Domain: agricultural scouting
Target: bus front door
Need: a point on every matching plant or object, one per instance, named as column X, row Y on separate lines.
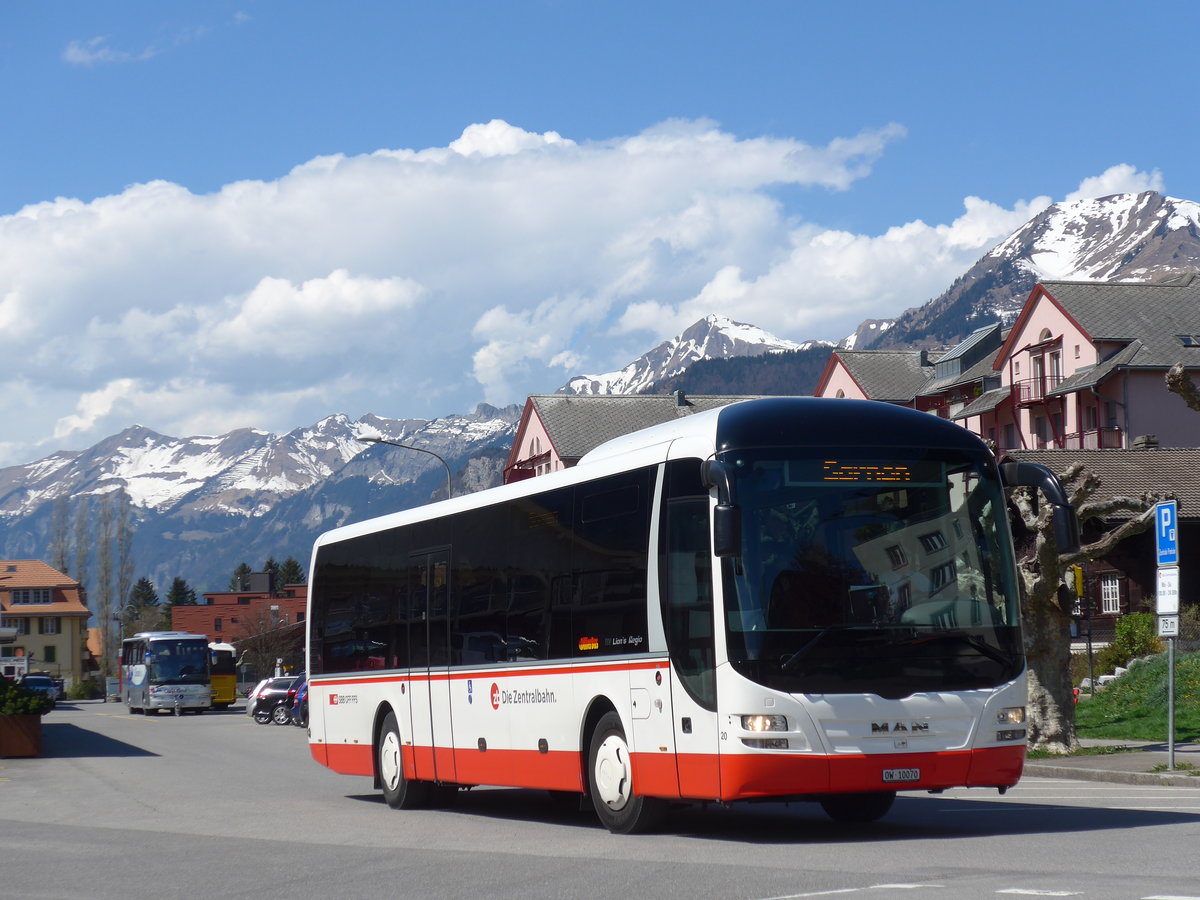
column 429, row 678
column 688, row 610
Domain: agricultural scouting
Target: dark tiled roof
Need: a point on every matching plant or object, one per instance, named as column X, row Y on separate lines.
column 985, row 368
column 1093, row 375
column 986, row 402
column 579, row 423
column 972, row 340
column 1132, row 472
column 1156, row 314
column 895, row 376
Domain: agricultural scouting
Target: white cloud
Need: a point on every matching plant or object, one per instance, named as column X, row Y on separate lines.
column 96, row 51
column 95, row 405
column 1121, row 179
column 416, row 282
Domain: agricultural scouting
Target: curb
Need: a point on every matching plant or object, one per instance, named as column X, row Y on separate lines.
column 1171, row 779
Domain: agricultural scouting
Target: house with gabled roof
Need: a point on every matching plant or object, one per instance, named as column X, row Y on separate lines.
column 1083, row 367
column 556, row 430
column 892, row 376
column 47, row 616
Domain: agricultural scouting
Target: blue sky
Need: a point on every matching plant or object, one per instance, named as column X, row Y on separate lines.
column 431, row 205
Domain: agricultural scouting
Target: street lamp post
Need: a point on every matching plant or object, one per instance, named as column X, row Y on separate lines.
column 445, row 465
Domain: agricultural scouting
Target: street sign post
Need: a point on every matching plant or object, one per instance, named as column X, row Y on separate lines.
column 1166, row 546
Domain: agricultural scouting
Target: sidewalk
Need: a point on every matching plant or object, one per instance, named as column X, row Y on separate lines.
column 1142, row 763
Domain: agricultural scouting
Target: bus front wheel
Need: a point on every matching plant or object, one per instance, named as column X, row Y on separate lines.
column 398, row 791
column 858, row 808
column 610, row 782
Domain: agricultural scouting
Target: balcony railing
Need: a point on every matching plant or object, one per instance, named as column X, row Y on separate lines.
column 1034, row 390
column 1110, row 438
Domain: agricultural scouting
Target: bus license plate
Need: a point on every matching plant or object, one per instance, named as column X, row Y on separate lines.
column 893, row 775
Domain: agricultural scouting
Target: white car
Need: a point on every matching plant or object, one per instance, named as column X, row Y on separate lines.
column 254, row 693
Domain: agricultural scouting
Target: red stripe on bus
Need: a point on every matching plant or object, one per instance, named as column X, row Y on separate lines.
column 745, row 776
column 741, row 776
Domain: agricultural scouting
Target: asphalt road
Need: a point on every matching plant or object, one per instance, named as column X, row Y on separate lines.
column 123, row 806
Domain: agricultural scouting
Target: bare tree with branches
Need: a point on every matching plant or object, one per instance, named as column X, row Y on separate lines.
column 1179, row 382
column 1047, row 606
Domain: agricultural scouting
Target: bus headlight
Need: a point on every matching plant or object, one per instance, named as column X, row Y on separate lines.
column 1011, row 715
column 764, row 723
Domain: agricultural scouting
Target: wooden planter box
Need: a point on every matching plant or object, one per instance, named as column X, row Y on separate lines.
column 20, row 736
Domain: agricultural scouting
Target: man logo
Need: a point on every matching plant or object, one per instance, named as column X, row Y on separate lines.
column 899, row 728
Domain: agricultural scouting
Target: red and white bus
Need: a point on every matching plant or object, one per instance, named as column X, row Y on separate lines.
column 783, row 598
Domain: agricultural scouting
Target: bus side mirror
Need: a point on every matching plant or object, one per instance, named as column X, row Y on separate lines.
column 727, row 531
column 727, row 518
column 1035, row 475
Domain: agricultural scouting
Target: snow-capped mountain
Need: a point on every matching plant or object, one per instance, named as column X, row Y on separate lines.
column 242, row 473
column 713, row 337
column 1130, row 237
column 198, row 502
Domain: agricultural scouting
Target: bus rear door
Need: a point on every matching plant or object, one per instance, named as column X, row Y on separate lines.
column 429, row 679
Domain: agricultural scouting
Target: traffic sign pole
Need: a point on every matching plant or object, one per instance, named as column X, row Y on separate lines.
column 1166, row 540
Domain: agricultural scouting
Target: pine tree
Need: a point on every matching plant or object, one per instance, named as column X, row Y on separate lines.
column 241, row 578
column 181, row 594
column 290, row 572
column 272, row 568
column 142, row 610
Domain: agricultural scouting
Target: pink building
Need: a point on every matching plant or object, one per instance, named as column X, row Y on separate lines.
column 1083, row 368
column 556, row 430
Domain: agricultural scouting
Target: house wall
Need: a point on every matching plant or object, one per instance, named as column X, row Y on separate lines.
column 1059, row 416
column 840, row 380
column 66, row 646
column 233, row 616
column 535, row 442
column 1152, row 409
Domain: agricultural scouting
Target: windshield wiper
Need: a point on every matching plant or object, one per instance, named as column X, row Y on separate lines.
column 971, row 640
column 789, row 662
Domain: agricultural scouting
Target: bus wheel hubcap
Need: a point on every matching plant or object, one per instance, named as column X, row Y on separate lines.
column 389, row 760
column 612, row 772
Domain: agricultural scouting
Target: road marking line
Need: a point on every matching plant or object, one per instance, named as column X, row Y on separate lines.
column 872, row 887
column 1034, row 892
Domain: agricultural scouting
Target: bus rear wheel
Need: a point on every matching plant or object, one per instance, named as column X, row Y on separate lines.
column 610, row 782
column 398, row 791
column 857, row 809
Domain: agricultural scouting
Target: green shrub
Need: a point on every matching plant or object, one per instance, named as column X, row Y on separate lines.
column 1136, row 636
column 19, row 701
column 83, row 690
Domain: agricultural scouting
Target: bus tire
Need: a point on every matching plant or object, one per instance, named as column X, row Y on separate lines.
column 610, row 782
column 398, row 791
column 857, row 809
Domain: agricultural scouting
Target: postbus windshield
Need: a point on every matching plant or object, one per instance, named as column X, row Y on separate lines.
column 868, row 573
column 177, row 661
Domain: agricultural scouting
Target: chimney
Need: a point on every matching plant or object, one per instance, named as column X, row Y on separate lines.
column 1145, row 442
column 681, row 400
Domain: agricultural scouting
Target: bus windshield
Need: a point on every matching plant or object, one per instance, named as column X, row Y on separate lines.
column 173, row 661
column 862, row 573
